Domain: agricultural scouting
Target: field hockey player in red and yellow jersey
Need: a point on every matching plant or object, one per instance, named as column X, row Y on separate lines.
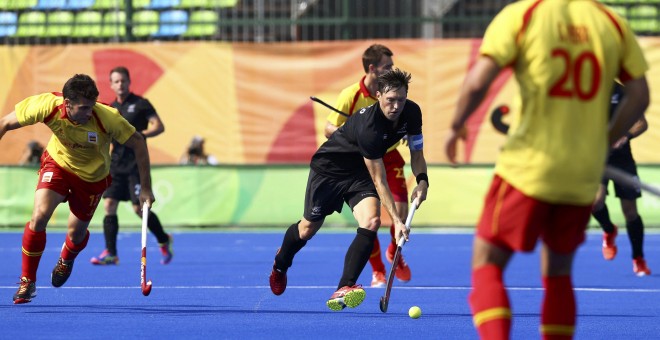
column 565, row 55
column 74, row 167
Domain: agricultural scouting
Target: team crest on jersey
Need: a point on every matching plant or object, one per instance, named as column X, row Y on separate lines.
column 364, row 109
column 92, row 137
column 47, row 177
column 131, row 108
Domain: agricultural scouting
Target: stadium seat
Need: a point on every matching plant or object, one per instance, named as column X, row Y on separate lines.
column 222, row 3
column 172, row 23
column 202, row 23
column 621, row 10
column 644, row 18
column 87, row 24
column 145, row 23
column 164, row 4
column 76, row 5
column 31, row 24
column 50, row 4
column 60, row 24
column 108, row 4
column 139, row 4
column 17, row 4
column 114, row 24
column 8, row 21
column 193, row 4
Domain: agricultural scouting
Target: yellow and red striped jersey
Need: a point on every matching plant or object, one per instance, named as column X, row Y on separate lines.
column 83, row 150
column 565, row 55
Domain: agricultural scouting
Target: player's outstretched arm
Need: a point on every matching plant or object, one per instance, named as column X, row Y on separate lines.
column 8, row 123
column 474, row 90
column 376, row 169
column 418, row 166
column 136, row 142
column 631, row 108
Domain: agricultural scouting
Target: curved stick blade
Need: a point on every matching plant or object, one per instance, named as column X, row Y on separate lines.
column 383, row 304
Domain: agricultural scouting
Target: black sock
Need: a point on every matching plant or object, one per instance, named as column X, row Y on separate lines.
column 636, row 235
column 291, row 245
column 602, row 215
column 153, row 223
column 110, row 230
column 357, row 256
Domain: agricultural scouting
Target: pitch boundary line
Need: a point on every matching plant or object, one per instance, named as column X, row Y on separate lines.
column 579, row 289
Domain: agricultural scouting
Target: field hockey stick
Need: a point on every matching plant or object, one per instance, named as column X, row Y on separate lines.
column 328, row 106
column 146, row 285
column 385, row 299
column 628, row 180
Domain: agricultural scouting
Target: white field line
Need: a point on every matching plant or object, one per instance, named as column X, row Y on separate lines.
column 579, row 289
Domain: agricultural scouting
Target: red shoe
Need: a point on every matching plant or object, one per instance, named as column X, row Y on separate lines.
column 609, row 247
column 378, row 280
column 346, row 297
column 402, row 271
column 277, row 281
column 640, row 268
column 166, row 250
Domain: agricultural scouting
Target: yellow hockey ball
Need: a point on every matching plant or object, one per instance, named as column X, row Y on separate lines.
column 415, row 312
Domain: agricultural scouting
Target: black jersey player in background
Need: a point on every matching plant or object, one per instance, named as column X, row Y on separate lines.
column 348, row 168
column 125, row 179
column 621, row 157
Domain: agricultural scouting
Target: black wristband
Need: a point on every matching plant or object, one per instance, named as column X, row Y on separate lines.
column 422, row 177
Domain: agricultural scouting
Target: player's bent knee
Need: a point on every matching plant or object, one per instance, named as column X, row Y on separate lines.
column 374, row 224
column 308, row 230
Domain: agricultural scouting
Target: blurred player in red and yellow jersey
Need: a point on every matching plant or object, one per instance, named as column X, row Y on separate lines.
column 376, row 60
column 75, row 167
column 566, row 55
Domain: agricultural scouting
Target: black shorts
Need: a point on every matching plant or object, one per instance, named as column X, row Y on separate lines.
column 124, row 187
column 621, row 191
column 325, row 195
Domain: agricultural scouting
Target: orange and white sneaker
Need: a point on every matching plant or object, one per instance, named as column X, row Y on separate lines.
column 346, row 297
column 378, row 280
column 402, row 271
column 609, row 246
column 640, row 268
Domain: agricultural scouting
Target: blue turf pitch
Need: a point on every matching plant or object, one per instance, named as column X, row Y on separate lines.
column 217, row 287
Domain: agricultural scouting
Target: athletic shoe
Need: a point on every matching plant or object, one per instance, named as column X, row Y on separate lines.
column 609, row 247
column 640, row 268
column 277, row 281
column 105, row 259
column 402, row 271
column 166, row 250
column 346, row 297
column 26, row 291
column 378, row 280
column 61, row 273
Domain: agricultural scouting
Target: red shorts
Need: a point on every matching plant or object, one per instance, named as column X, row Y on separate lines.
column 83, row 196
column 514, row 221
column 396, row 180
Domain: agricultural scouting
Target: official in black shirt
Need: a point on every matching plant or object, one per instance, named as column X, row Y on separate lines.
column 348, row 168
column 123, row 169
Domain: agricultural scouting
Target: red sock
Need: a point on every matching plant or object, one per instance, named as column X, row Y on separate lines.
column 375, row 259
column 70, row 250
column 489, row 302
column 391, row 248
column 34, row 244
column 558, row 311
